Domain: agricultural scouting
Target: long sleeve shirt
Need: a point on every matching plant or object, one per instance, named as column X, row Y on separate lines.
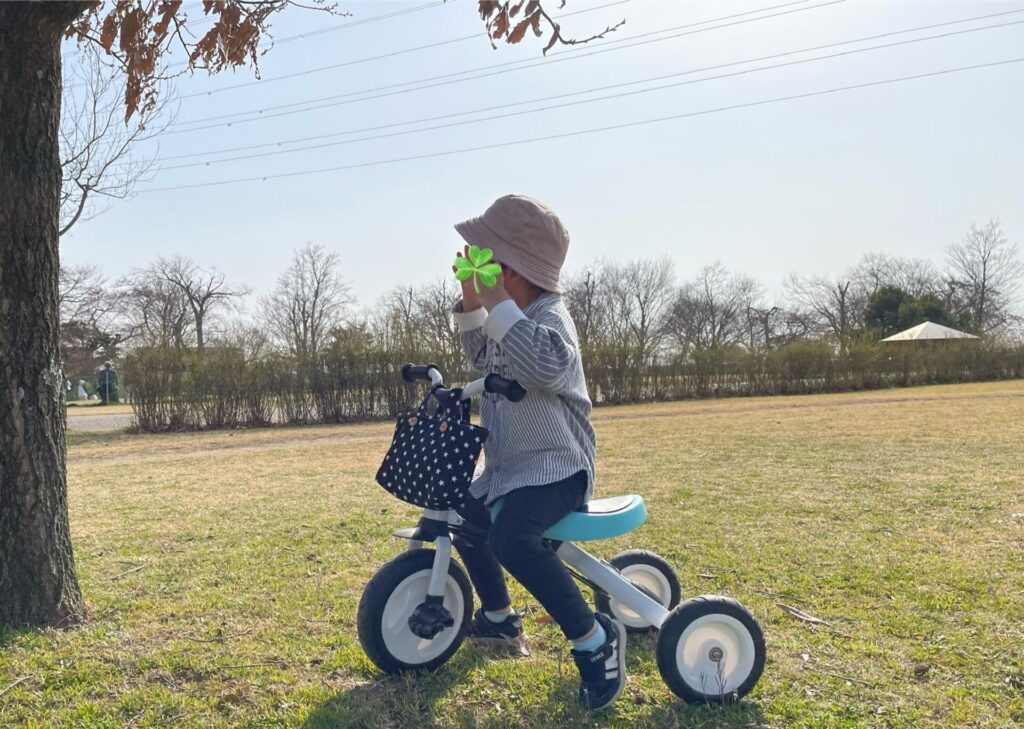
column 547, row 436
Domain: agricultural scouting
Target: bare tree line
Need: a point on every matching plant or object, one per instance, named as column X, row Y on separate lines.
column 632, row 317
column 629, row 315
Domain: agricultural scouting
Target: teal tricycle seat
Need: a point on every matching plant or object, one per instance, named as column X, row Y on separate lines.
column 599, row 519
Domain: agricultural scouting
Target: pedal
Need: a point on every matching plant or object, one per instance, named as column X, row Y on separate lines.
column 429, row 619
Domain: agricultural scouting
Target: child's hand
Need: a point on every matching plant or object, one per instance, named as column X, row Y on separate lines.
column 470, row 300
column 491, row 296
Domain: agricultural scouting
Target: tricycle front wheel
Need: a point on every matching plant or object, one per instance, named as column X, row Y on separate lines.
column 391, row 597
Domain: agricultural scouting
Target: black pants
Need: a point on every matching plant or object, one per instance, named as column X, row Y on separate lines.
column 514, row 541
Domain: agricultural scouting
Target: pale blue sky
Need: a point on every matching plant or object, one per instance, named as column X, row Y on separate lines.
column 806, row 185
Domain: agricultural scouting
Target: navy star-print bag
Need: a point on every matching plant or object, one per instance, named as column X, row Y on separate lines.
column 432, row 457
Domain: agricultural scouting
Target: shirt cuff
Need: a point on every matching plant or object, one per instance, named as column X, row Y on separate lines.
column 467, row 321
column 502, row 318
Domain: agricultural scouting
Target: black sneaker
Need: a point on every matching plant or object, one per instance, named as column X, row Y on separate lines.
column 508, row 632
column 603, row 672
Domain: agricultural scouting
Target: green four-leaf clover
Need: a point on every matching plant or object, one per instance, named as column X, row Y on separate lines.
column 477, row 266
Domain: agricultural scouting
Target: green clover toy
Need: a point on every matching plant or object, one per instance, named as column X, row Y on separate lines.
column 478, row 267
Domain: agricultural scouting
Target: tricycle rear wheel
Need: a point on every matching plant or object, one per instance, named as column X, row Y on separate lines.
column 649, row 573
column 710, row 650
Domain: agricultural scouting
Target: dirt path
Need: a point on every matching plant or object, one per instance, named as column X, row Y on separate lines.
column 114, row 421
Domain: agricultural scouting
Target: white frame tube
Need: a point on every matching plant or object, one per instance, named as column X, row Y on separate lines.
column 618, row 587
column 439, row 571
column 474, row 388
column 435, row 377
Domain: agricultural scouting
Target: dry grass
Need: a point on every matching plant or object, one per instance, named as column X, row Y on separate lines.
column 223, row 571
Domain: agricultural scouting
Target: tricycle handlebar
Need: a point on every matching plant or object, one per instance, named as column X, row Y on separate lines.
column 491, row 383
column 411, row 372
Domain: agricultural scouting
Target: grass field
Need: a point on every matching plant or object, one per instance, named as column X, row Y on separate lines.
column 223, row 571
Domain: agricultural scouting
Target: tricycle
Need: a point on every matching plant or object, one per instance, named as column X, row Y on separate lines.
column 415, row 612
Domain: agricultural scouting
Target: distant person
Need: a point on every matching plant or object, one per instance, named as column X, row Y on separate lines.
column 106, row 383
column 82, row 394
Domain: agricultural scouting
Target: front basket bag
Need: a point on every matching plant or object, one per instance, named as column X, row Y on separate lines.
column 432, row 457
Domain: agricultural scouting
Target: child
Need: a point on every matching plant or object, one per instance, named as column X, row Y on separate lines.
column 539, row 457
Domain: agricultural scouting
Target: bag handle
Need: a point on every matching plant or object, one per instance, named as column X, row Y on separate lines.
column 455, row 412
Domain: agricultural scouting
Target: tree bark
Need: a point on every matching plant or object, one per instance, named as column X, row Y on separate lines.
column 38, row 585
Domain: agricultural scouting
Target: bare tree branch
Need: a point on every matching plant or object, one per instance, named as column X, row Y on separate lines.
column 833, row 303
column 713, row 309
column 205, row 291
column 985, row 277
column 500, row 18
column 102, row 157
column 308, row 303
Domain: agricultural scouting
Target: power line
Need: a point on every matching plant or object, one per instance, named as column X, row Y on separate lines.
column 550, row 60
column 603, row 88
column 594, row 130
column 619, row 95
column 353, row 23
column 391, row 54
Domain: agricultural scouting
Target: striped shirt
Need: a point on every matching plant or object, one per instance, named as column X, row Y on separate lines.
column 547, row 436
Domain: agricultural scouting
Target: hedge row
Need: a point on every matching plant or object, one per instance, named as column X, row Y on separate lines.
column 173, row 389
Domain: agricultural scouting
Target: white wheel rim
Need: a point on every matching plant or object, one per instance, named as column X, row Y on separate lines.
column 710, row 637
column 401, row 642
column 652, row 580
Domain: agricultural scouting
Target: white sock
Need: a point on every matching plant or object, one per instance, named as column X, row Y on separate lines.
column 496, row 617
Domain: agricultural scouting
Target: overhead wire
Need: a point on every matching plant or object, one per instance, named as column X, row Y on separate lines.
column 593, row 130
column 618, row 95
column 596, row 89
column 391, row 54
column 259, row 113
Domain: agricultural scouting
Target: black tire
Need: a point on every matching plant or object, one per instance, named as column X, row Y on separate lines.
column 672, row 631
column 630, row 558
column 369, row 619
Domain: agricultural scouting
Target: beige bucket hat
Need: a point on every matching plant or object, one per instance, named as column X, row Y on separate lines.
column 525, row 234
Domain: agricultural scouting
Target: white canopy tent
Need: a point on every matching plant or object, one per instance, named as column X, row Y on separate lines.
column 928, row 332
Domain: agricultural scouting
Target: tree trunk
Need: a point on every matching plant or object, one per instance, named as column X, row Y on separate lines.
column 200, row 343
column 38, row 585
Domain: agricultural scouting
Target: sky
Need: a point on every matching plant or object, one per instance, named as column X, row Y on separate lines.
column 807, row 184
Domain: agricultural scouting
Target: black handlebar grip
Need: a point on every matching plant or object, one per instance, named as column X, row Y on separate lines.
column 503, row 386
column 411, row 372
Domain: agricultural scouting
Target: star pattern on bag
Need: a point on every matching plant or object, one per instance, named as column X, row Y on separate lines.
column 430, row 467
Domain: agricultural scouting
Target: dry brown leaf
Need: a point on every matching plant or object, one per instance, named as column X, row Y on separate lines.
column 487, row 8
column 519, row 31
column 535, row 21
column 130, row 26
column 500, row 24
column 109, row 32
